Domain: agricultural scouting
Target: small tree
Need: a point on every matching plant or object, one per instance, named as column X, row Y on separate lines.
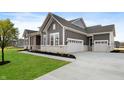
column 7, row 33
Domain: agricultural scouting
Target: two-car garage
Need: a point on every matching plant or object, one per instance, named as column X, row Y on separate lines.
column 98, row 43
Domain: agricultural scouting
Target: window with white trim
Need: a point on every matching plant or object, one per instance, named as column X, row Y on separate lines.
column 44, row 39
column 54, row 39
column 51, row 40
column 54, row 26
column 57, row 39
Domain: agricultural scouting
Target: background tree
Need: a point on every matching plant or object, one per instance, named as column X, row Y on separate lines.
column 7, row 33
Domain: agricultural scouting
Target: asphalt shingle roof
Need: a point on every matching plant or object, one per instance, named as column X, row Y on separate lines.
column 64, row 22
column 99, row 28
column 67, row 23
column 30, row 31
column 92, row 29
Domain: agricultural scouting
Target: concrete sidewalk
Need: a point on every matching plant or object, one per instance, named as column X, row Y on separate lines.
column 50, row 56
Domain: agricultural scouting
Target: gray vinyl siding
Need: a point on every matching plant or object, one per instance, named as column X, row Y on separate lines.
column 79, row 23
column 33, row 40
column 57, row 29
column 101, row 37
column 70, row 34
column 50, row 30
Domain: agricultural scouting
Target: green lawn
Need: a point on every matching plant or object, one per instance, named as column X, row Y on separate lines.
column 25, row 66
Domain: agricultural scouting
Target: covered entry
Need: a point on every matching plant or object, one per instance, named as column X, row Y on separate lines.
column 101, row 45
column 74, row 45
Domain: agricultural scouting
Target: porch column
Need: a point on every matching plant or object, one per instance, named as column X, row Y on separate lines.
column 47, row 38
column 63, row 36
column 29, row 43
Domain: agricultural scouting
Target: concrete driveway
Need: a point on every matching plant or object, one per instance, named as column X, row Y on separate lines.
column 92, row 66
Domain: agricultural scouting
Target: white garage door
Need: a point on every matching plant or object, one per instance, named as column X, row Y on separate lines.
column 101, row 45
column 74, row 45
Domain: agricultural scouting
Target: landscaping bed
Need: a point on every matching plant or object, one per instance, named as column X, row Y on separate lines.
column 118, row 50
column 56, row 54
column 5, row 62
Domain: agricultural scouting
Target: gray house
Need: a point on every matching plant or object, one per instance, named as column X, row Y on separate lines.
column 59, row 35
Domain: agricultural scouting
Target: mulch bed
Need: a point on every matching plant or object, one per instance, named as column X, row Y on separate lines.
column 55, row 54
column 117, row 51
column 5, row 62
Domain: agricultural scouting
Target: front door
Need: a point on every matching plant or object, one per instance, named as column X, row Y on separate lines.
column 90, row 44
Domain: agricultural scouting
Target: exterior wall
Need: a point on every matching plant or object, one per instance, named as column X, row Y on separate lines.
column 70, row 34
column 109, row 37
column 27, row 42
column 50, row 30
column 79, row 23
column 20, row 43
column 33, row 40
column 101, row 37
column 57, row 29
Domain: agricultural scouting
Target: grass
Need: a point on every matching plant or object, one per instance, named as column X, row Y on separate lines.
column 25, row 66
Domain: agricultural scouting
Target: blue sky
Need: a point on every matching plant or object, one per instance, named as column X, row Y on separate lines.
column 35, row 19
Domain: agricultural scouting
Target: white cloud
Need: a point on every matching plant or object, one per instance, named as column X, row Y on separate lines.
column 26, row 21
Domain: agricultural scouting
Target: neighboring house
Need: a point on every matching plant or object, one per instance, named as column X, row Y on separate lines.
column 17, row 43
column 62, row 36
column 20, row 43
column 121, row 44
column 117, row 44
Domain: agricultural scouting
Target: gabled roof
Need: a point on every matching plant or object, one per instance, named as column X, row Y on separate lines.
column 99, row 28
column 67, row 23
column 28, row 31
column 62, row 21
column 74, row 20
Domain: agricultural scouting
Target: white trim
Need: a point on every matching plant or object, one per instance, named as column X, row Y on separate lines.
column 98, row 33
column 74, row 39
column 76, row 20
column 54, row 26
column 57, row 20
column 47, row 24
column 79, row 19
column 100, row 40
column 63, row 36
column 29, row 44
column 45, row 36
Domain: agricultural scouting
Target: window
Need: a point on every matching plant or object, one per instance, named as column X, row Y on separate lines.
column 51, row 39
column 54, row 26
column 57, row 39
column 54, row 39
column 44, row 39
